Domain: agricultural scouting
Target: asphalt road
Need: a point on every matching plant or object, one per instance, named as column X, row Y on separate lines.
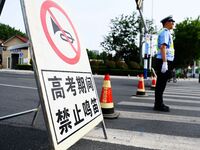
column 138, row 126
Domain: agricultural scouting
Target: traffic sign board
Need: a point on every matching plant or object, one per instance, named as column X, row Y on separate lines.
column 65, row 82
column 47, row 7
column 21, row 55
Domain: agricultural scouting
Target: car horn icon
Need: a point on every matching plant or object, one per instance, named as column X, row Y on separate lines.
column 66, row 37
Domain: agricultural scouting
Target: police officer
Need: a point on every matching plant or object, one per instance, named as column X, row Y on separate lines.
column 164, row 60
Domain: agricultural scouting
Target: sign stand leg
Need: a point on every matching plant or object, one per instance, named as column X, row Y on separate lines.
column 104, row 129
column 36, row 114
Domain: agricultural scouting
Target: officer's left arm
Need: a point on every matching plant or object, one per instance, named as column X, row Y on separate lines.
column 163, row 52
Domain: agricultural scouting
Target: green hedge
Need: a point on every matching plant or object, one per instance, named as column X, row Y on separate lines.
column 101, row 70
column 24, row 67
column 120, row 72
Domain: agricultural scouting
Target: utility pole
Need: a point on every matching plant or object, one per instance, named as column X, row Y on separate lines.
column 139, row 4
column 151, row 40
column 141, row 42
column 2, row 2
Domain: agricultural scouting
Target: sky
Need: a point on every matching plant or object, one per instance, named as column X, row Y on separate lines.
column 93, row 17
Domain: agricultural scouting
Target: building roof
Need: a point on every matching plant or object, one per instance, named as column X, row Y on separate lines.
column 23, row 39
column 22, row 45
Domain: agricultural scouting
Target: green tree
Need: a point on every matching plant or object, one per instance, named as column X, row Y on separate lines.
column 152, row 29
column 6, row 32
column 187, row 42
column 91, row 54
column 122, row 38
column 103, row 56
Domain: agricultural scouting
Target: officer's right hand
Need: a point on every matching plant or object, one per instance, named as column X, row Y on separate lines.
column 164, row 67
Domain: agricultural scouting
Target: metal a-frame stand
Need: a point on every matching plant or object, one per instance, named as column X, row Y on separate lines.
column 36, row 110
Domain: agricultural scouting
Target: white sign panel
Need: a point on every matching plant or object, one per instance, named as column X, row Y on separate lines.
column 67, row 86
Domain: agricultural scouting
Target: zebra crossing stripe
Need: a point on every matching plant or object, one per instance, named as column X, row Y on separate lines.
column 176, row 96
column 159, row 117
column 181, row 92
column 167, row 99
column 185, row 87
column 144, row 140
column 187, row 90
column 191, row 108
column 178, row 93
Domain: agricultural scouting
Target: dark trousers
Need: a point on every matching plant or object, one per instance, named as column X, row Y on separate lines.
column 162, row 79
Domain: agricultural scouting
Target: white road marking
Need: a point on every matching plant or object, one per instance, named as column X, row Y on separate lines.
column 167, row 99
column 144, row 140
column 177, row 96
column 191, row 93
column 17, row 86
column 159, row 117
column 191, row 108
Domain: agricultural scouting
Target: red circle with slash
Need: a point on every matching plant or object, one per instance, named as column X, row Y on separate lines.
column 43, row 13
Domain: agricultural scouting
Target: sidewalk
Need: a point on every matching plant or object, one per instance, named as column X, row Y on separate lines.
column 17, row 71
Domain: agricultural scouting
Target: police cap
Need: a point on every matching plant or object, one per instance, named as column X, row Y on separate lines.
column 167, row 19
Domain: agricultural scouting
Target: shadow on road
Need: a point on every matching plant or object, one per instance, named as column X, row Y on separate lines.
column 23, row 138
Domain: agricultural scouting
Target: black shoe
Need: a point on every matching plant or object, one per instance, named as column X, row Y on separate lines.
column 163, row 108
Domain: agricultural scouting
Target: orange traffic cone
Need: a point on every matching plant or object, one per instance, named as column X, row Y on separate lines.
column 153, row 83
column 141, row 88
column 106, row 101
